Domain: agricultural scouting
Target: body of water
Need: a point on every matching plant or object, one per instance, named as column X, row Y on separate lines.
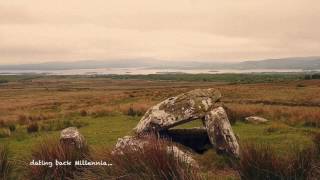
column 143, row 71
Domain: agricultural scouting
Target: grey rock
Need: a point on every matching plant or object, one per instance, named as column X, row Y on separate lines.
column 71, row 136
column 256, row 120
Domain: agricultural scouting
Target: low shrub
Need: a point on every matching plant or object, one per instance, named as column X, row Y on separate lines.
column 150, row 162
column 4, row 132
column 5, row 165
column 261, row 162
column 50, row 150
column 33, row 127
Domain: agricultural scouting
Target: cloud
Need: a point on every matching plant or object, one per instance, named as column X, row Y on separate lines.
column 43, row 30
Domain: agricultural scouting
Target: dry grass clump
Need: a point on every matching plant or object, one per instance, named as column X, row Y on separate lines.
column 262, row 162
column 152, row 162
column 5, row 165
column 50, row 150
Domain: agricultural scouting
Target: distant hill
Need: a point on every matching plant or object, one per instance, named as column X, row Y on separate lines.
column 306, row 63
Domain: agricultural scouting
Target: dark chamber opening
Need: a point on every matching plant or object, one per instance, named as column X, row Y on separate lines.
column 196, row 139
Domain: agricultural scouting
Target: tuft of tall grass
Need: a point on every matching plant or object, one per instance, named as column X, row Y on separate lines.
column 5, row 165
column 50, row 150
column 26, row 118
column 262, row 162
column 151, row 162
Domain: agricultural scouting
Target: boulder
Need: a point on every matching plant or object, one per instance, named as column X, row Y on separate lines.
column 256, row 120
column 71, row 136
column 178, row 110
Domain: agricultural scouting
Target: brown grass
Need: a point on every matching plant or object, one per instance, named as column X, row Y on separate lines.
column 308, row 116
column 262, row 162
column 50, row 150
column 152, row 162
column 44, row 99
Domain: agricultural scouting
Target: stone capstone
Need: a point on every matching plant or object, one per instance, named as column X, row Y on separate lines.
column 178, row 110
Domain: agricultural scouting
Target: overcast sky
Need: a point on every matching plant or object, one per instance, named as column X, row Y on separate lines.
column 33, row 31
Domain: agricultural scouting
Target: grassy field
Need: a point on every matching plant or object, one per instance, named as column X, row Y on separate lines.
column 106, row 108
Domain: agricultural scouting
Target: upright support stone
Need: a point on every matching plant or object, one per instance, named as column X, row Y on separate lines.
column 71, row 136
column 220, row 132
